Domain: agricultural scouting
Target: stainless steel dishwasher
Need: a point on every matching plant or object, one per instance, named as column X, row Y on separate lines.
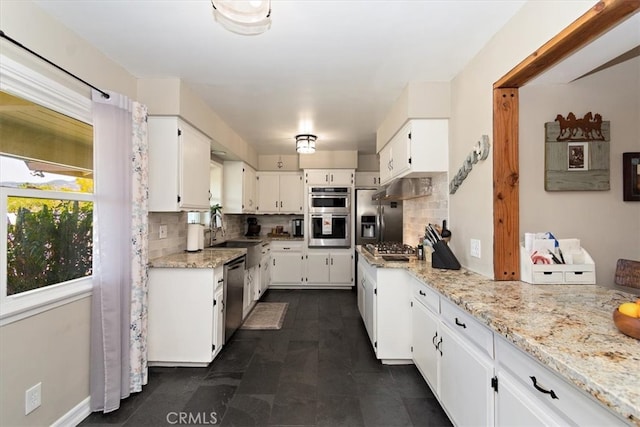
column 233, row 292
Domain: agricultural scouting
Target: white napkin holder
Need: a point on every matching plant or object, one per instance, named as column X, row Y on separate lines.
column 583, row 272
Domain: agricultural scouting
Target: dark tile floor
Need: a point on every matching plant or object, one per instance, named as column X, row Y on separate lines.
column 318, row 370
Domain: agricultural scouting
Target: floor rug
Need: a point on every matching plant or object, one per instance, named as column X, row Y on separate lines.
column 266, row 315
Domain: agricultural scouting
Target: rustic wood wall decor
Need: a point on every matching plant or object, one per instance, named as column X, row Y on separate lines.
column 577, row 153
column 631, row 176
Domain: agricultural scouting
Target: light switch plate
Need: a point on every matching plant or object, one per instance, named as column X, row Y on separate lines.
column 474, row 248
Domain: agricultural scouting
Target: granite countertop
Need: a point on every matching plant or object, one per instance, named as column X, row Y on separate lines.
column 568, row 328
column 206, row 258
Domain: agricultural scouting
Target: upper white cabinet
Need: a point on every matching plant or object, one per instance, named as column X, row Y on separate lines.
column 239, row 181
column 329, row 176
column 179, row 157
column 419, row 148
column 280, row 192
column 368, row 179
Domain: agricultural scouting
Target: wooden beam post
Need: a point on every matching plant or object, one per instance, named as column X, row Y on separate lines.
column 506, row 208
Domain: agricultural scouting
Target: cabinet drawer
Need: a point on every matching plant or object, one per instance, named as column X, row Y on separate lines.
column 580, row 276
column 286, row 246
column 548, row 277
column 467, row 326
column 576, row 405
column 426, row 295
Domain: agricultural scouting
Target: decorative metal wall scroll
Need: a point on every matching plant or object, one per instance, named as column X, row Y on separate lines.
column 577, row 153
column 480, row 152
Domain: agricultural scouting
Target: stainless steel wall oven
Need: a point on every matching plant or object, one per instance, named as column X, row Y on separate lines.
column 329, row 230
column 329, row 217
column 329, row 199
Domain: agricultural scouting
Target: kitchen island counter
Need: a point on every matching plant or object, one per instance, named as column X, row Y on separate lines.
column 568, row 328
column 206, row 258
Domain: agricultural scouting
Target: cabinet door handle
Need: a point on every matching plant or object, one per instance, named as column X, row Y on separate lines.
column 280, row 203
column 331, row 261
column 542, row 390
column 326, row 261
column 274, row 262
column 433, row 340
column 460, row 323
column 438, row 346
column 422, row 293
column 276, row 203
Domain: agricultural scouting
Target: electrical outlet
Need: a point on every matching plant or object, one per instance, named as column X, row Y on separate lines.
column 474, row 248
column 32, row 398
column 163, row 232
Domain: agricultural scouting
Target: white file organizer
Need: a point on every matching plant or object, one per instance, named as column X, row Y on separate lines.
column 558, row 274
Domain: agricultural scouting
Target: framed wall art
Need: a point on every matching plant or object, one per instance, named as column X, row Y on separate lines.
column 577, row 153
column 631, row 177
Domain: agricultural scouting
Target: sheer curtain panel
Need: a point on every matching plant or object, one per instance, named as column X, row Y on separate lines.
column 120, row 253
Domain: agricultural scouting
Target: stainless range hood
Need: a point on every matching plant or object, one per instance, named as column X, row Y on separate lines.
column 404, row 189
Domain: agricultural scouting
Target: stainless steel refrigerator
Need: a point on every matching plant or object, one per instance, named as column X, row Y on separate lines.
column 377, row 221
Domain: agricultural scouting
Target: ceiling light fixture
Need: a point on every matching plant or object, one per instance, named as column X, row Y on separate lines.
column 245, row 17
column 306, row 143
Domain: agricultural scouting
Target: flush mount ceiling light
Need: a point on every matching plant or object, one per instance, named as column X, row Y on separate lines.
column 246, row 17
column 306, row 143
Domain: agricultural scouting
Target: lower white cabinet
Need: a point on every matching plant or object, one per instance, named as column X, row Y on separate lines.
column 265, row 270
column 286, row 263
column 426, row 339
column 482, row 379
column 386, row 299
column 541, row 395
column 330, row 268
column 185, row 316
column 465, row 380
column 251, row 283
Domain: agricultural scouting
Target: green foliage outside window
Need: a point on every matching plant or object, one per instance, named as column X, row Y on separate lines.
column 49, row 242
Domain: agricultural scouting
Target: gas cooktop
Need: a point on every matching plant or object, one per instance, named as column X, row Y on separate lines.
column 391, row 251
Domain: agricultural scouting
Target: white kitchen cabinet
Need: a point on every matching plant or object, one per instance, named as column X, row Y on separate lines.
column 280, row 193
column 239, row 182
column 425, row 335
column 330, row 268
column 265, row 270
column 360, row 289
column 334, row 177
column 546, row 396
column 286, row 263
column 387, row 313
column 367, row 179
column 419, row 148
column 218, row 318
column 185, row 307
column 179, row 157
column 251, row 283
column 465, row 380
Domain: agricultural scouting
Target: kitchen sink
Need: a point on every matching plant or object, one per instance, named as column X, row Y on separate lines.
column 254, row 249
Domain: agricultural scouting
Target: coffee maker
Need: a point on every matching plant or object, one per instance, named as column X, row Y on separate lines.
column 297, row 227
column 253, row 228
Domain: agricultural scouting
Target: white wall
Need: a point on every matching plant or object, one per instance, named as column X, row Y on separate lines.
column 471, row 207
column 51, row 348
column 608, row 227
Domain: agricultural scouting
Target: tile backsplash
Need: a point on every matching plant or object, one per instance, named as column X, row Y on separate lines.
column 234, row 226
column 419, row 212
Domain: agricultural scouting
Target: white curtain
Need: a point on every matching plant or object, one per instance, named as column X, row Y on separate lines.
column 120, row 254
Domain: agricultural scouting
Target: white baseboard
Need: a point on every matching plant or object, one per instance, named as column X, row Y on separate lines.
column 75, row 416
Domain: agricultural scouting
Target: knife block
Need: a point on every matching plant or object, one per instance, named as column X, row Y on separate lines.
column 442, row 257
